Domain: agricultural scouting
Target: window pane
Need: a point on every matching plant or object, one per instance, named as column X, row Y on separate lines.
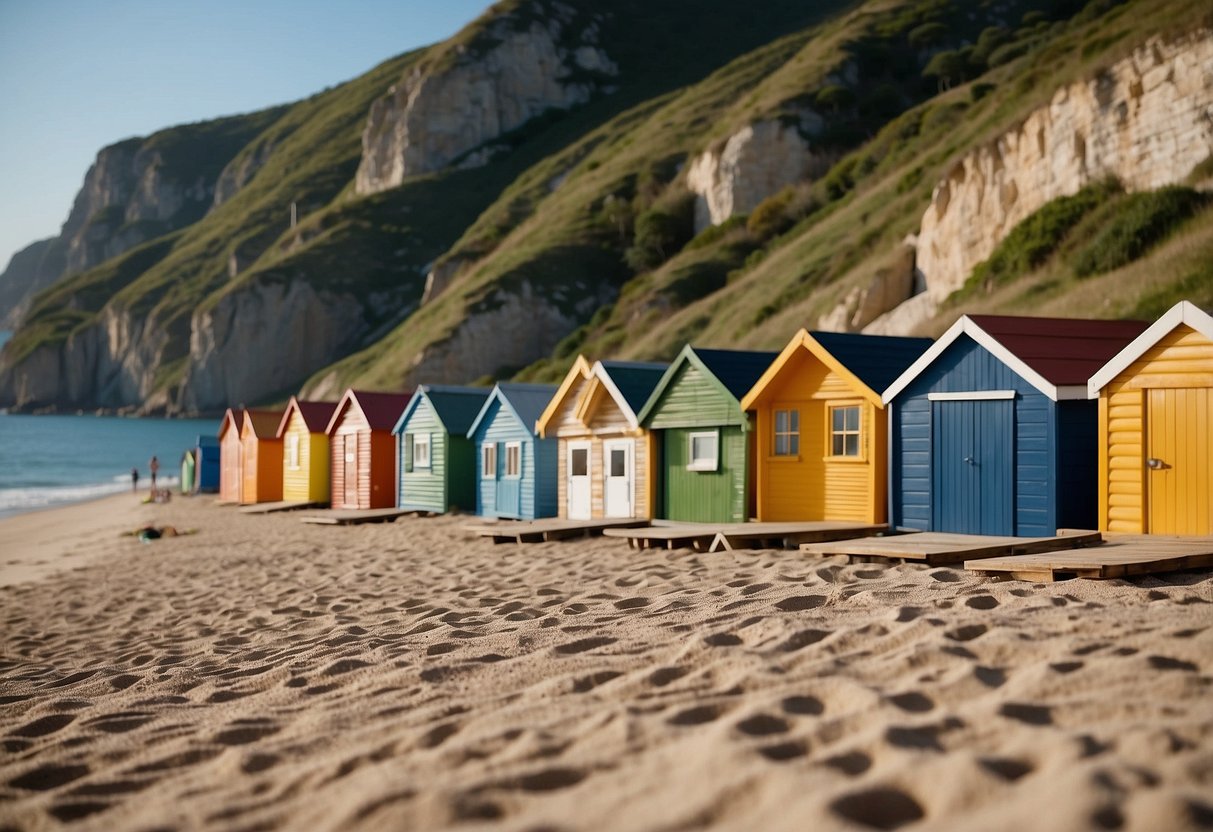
column 838, row 418
column 781, row 444
column 781, row 421
column 795, row 426
column 580, row 462
column 852, row 446
column 619, row 462
column 852, row 418
column 703, row 449
column 838, row 445
column 794, row 445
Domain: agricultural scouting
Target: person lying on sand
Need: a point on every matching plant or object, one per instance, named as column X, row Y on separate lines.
column 151, row 532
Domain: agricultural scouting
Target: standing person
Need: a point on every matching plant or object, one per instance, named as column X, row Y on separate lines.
column 134, row 480
column 154, row 466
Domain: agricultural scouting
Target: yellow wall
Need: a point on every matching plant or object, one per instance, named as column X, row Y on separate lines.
column 1177, row 499
column 814, row 486
column 310, row 481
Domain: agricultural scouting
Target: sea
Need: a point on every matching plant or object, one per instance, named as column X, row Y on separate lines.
column 54, row 460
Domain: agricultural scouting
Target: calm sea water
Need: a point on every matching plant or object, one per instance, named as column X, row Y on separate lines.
column 50, row 460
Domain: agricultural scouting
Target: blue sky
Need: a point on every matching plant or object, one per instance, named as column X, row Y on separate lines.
column 76, row 75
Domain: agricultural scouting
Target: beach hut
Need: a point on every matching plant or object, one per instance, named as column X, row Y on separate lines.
column 821, row 436
column 435, row 457
column 362, row 450
column 515, row 469
column 1156, row 429
column 603, row 454
column 305, row 450
column 992, row 431
column 260, row 457
column 187, row 472
column 206, row 464
column 230, row 479
column 704, row 440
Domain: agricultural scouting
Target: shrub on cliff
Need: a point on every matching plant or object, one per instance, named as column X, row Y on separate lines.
column 1137, row 223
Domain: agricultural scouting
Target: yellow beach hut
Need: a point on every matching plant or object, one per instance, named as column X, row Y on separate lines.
column 305, row 451
column 603, row 455
column 1155, row 435
column 230, row 478
column 822, row 437
column 260, row 457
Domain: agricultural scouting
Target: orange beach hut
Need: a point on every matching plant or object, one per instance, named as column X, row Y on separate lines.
column 305, row 451
column 230, row 478
column 822, row 434
column 362, row 449
column 260, row 457
column 1155, row 440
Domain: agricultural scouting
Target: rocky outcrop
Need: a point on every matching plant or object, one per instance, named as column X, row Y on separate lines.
column 753, row 164
column 468, row 96
column 263, row 339
column 241, row 170
column 29, row 271
column 891, row 285
column 1148, row 121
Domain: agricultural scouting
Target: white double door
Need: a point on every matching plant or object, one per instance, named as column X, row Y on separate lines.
column 618, row 466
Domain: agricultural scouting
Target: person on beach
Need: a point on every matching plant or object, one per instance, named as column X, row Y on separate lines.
column 134, row 480
column 154, row 466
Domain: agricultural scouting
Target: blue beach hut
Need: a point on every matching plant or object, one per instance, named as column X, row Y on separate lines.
column 435, row 457
column 992, row 432
column 206, row 465
column 516, row 471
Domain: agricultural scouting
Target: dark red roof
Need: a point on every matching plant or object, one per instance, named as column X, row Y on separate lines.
column 1065, row 351
column 316, row 415
column 264, row 422
column 382, row 410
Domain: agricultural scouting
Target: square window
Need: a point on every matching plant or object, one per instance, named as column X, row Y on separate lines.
column 787, row 433
column 619, row 463
column 579, row 462
column 421, row 450
column 704, row 451
column 844, row 431
column 513, row 459
column 488, row 461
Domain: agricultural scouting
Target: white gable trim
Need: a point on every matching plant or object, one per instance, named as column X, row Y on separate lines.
column 966, row 326
column 1182, row 313
column 609, row 383
column 973, row 396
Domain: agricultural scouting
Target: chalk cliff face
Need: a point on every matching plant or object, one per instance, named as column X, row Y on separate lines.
column 754, row 163
column 1148, row 121
column 29, row 271
column 461, row 102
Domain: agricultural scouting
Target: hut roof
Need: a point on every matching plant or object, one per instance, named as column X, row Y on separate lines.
column 634, row 380
column 455, row 407
column 526, row 401
column 1183, row 313
column 263, row 422
column 231, row 421
column 1057, row 356
column 733, row 371
column 315, row 415
column 380, row 409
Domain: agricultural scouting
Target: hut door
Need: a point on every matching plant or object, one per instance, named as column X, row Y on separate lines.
column 350, row 470
column 617, row 477
column 579, row 507
column 1179, row 464
column 972, row 465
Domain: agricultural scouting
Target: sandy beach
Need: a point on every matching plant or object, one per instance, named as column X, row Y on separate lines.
column 264, row 674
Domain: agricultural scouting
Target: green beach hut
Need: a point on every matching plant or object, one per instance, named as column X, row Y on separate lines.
column 435, row 458
column 703, row 468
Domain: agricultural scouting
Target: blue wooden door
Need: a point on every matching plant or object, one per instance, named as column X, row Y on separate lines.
column 973, row 482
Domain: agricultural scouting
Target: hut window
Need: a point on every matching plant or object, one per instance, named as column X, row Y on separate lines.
column 704, row 451
column 844, row 431
column 580, row 465
column 292, row 451
column 513, row 459
column 787, row 433
column 488, row 461
column 421, row 450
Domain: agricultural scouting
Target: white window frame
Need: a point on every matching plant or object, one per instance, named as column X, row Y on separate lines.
column 857, row 433
column 422, row 440
column 488, row 460
column 292, row 452
column 792, row 433
column 516, row 447
column 703, row 464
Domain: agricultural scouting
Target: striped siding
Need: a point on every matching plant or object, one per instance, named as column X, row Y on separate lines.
column 310, row 481
column 692, row 400
column 230, row 476
column 423, row 488
column 720, row 496
column 1182, row 359
column 374, row 468
column 535, row 490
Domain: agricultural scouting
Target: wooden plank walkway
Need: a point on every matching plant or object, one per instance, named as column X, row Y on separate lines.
column 282, row 505
column 942, row 548
column 350, row 517
column 1121, row 556
column 666, row 534
column 548, row 528
column 787, row 535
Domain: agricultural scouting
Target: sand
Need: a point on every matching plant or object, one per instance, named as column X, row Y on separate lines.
column 265, row 674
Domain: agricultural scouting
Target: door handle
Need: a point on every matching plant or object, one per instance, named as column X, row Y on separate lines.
column 969, row 460
column 1155, row 464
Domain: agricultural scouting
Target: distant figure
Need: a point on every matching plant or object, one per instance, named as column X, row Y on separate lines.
column 134, row 479
column 154, row 466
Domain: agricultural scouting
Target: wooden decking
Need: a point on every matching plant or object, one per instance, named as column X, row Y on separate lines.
column 1121, row 556
column 549, row 528
column 282, row 505
column 351, row 517
column 940, row 548
column 717, row 537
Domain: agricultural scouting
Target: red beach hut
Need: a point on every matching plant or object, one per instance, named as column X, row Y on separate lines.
column 363, row 449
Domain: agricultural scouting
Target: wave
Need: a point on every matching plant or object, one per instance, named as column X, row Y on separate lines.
column 17, row 500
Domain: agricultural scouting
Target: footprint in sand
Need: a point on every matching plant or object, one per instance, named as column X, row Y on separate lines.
column 588, row 683
column 797, row 603
column 245, row 731
column 1006, row 768
column 982, row 602
column 784, row 751
column 697, row 715
column 43, row 726
column 761, row 725
column 45, row 778
column 967, row 632
column 803, row 705
column 583, row 645
column 1168, row 663
column 68, row 812
column 878, row 808
column 913, row 701
column 802, row 639
column 723, row 640
column 663, row 676
column 852, row 763
column 1026, row 713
